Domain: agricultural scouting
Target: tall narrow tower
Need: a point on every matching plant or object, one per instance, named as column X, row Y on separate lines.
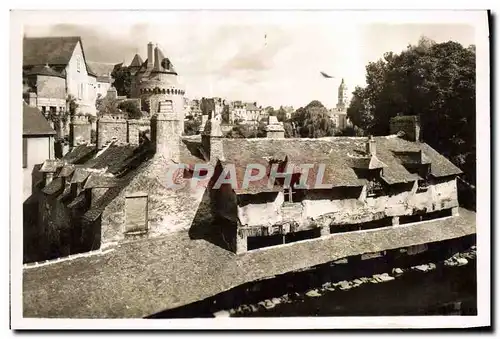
column 342, row 96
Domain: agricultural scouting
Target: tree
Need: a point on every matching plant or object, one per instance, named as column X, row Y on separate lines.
column 225, row 114
column 281, row 114
column 132, row 109
column 191, row 127
column 106, row 106
column 248, row 131
column 431, row 80
column 123, row 80
column 312, row 121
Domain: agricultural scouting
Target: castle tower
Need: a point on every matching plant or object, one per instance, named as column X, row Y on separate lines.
column 166, row 131
column 342, row 96
column 159, row 82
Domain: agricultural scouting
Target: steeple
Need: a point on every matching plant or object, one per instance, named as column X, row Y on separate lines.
column 342, row 96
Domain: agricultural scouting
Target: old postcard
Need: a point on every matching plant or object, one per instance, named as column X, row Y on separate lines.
column 250, row 169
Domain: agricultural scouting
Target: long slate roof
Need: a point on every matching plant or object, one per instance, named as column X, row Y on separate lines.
column 340, row 155
column 34, row 123
column 49, row 50
column 138, row 279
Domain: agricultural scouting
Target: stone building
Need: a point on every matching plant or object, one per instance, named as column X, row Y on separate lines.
column 246, row 112
column 137, row 211
column 38, row 144
column 104, row 80
column 129, row 186
column 55, row 68
column 366, row 183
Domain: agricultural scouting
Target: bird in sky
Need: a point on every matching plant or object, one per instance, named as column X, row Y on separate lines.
column 326, row 75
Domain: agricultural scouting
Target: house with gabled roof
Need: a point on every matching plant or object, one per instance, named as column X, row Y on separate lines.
column 47, row 60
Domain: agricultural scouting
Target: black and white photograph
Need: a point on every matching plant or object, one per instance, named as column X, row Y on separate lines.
column 240, row 169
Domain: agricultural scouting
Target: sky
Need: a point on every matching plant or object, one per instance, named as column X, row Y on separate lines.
column 270, row 64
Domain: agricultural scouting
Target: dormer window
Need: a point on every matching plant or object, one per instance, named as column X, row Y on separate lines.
column 423, row 171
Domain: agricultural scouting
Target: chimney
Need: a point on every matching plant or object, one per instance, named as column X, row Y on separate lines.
column 371, row 147
column 204, row 119
column 32, row 99
column 157, row 61
column 150, row 56
column 112, row 93
column 49, row 176
column 166, row 131
column 409, row 125
column 274, row 128
column 211, row 139
column 79, row 130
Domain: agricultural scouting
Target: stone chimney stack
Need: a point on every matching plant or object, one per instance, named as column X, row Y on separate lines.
column 211, row 139
column 371, row 146
column 409, row 125
column 274, row 128
column 204, row 119
column 112, row 93
column 32, row 99
column 150, row 56
column 166, row 131
column 79, row 130
column 157, row 66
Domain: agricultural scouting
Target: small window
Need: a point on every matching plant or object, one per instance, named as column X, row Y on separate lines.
column 98, row 85
column 136, row 213
column 25, row 152
column 78, row 64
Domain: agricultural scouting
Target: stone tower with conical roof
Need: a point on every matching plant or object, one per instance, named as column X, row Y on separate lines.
column 156, row 81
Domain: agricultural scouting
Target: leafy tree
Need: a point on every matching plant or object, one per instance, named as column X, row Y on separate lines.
column 431, row 80
column 312, row 121
column 191, row 127
column 281, row 114
column 207, row 106
column 106, row 106
column 132, row 109
column 225, row 114
column 248, row 131
column 123, row 80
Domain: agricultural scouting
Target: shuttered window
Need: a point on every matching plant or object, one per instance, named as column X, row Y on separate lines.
column 25, row 152
column 136, row 213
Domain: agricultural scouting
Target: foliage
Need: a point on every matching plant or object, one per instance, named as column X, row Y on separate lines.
column 311, row 121
column 350, row 131
column 431, row 80
column 248, row 131
column 281, row 114
column 93, row 136
column 132, row 109
column 192, row 126
column 225, row 114
column 106, row 106
column 72, row 104
column 207, row 106
column 123, row 80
